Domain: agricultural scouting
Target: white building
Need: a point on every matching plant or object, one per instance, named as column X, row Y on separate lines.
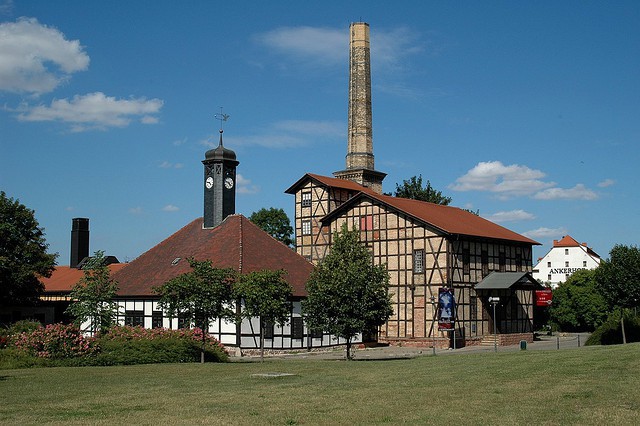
column 565, row 257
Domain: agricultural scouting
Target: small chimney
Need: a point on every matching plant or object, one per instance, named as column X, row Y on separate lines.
column 79, row 241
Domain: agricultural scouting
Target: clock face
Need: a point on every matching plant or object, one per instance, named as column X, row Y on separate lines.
column 209, row 182
column 228, row 183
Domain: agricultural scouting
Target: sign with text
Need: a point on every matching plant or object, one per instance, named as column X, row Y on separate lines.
column 446, row 309
column 544, row 297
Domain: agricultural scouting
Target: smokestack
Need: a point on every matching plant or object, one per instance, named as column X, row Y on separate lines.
column 360, row 167
column 79, row 241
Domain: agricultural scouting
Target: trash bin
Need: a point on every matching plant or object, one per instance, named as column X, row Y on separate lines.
column 523, row 345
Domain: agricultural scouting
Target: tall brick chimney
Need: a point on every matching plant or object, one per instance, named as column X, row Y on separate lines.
column 79, row 241
column 360, row 166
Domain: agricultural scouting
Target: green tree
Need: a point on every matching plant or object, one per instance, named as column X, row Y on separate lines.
column 413, row 189
column 92, row 297
column 23, row 254
column 200, row 296
column 577, row 303
column 265, row 294
column 618, row 279
column 347, row 294
column 274, row 222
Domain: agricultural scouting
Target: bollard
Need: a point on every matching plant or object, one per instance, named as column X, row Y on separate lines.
column 578, row 340
column 558, row 343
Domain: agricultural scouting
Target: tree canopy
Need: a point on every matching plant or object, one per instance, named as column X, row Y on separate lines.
column 275, row 222
column 619, row 277
column 200, row 296
column 265, row 294
column 347, row 294
column 23, row 254
column 92, row 297
column 413, row 189
column 577, row 303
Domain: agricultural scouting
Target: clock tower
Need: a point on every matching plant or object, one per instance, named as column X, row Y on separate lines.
column 219, row 184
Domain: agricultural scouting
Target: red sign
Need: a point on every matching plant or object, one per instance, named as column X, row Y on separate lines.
column 544, row 297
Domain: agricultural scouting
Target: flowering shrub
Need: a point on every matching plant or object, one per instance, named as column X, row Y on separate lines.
column 55, row 341
column 137, row 345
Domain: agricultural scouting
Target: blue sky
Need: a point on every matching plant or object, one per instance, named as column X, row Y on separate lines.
column 526, row 111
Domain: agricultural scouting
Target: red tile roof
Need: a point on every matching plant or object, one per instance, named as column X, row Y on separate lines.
column 64, row 278
column 451, row 220
column 236, row 243
column 568, row 241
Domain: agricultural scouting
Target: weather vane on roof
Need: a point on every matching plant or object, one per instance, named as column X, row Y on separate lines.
column 222, row 117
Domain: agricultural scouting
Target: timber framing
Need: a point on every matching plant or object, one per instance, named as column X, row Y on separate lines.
column 425, row 247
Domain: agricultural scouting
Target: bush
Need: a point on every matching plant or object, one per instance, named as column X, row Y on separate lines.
column 610, row 332
column 56, row 341
column 64, row 345
column 23, row 326
column 135, row 345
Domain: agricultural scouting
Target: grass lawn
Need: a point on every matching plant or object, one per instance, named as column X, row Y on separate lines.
column 593, row 385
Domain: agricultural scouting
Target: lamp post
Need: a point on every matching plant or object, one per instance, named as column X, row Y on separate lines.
column 433, row 328
column 494, row 301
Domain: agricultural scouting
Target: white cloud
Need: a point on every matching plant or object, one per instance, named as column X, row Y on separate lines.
column 510, row 216
column 329, row 47
column 517, row 180
column 244, row 186
column 507, row 181
column 93, row 111
column 605, row 183
column 136, row 210
column 326, row 46
column 168, row 165
column 35, row 58
column 286, row 134
column 546, row 233
column 578, row 192
column 170, row 208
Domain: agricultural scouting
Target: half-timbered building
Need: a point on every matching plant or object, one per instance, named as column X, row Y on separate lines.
column 425, row 247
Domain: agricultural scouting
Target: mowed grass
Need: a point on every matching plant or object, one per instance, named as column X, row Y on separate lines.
column 594, row 385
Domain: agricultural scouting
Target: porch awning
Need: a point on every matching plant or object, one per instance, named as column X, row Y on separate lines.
column 505, row 280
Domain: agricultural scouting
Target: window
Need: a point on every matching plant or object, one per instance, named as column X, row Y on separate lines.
column 502, row 261
column 519, row 262
column 418, row 261
column 548, row 264
column 473, row 308
column 366, row 223
column 549, row 277
column 306, row 227
column 156, row 319
column 183, row 322
column 316, row 333
column 268, row 329
column 134, row 318
column 297, row 328
column 566, row 264
column 584, row 263
column 566, row 252
column 306, row 199
column 485, row 263
column 466, row 262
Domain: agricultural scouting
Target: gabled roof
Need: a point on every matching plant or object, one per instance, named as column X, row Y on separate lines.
column 329, row 181
column 64, row 278
column 568, row 241
column 450, row 220
column 236, row 243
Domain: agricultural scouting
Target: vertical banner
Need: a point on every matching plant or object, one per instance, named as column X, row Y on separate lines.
column 446, row 309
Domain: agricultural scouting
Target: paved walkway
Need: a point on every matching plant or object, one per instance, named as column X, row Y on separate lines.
column 560, row 341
